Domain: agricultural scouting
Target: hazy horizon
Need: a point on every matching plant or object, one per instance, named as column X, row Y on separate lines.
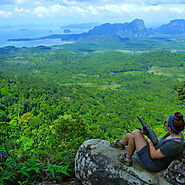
column 67, row 12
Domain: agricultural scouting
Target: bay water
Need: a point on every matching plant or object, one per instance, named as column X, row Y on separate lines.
column 32, row 32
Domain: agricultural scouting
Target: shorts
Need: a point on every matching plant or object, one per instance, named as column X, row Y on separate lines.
column 144, row 156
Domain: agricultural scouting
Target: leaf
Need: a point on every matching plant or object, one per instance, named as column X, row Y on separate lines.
column 36, row 169
column 5, row 178
column 52, row 172
column 24, row 173
column 63, row 169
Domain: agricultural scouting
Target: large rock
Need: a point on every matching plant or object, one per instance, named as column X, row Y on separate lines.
column 97, row 163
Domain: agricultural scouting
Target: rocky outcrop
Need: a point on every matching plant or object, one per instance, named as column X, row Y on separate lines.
column 175, row 173
column 134, row 28
column 174, row 27
column 96, row 164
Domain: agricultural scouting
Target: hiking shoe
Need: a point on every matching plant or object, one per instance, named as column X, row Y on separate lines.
column 127, row 162
column 117, row 144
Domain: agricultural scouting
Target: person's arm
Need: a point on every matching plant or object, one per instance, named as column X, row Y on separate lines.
column 154, row 154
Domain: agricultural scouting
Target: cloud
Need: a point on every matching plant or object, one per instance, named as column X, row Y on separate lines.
column 22, row 11
column 93, row 10
column 67, row 2
column 41, row 11
column 37, row 3
column 73, row 9
column 53, row 10
column 141, row 2
column 177, row 10
column 114, row 8
column 5, row 14
column 164, row 2
column 21, row 1
column 152, row 8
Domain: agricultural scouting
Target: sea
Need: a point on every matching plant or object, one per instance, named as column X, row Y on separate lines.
column 33, row 32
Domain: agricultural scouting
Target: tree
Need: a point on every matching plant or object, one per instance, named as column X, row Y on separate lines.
column 181, row 92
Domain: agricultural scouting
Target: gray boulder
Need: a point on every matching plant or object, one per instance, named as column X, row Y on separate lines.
column 96, row 163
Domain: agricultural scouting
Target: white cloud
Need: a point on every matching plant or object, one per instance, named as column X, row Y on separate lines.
column 22, row 11
column 94, row 10
column 41, row 11
column 56, row 8
column 37, row 3
column 5, row 14
column 152, row 8
column 69, row 2
column 127, row 8
column 111, row 8
column 77, row 10
column 21, row 1
column 19, row 10
column 164, row 1
column 177, row 10
column 150, row 2
column 114, row 8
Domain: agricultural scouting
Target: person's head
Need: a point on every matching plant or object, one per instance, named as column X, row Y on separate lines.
column 175, row 122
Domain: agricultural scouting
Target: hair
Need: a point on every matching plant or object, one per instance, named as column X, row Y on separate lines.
column 178, row 121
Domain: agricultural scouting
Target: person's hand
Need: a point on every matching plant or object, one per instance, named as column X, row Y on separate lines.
column 143, row 131
column 149, row 142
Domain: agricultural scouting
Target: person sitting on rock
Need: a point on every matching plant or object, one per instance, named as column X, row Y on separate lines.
column 158, row 157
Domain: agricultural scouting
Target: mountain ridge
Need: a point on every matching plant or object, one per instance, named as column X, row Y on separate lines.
column 176, row 26
column 136, row 28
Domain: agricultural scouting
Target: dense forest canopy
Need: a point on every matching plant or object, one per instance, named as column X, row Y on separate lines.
column 52, row 99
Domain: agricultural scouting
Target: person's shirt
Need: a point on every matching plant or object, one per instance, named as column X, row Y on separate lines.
column 170, row 148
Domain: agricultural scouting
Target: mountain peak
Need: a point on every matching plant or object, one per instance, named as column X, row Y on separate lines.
column 134, row 28
column 176, row 26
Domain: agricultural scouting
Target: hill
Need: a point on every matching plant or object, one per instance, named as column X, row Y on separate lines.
column 133, row 36
column 134, row 28
column 174, row 27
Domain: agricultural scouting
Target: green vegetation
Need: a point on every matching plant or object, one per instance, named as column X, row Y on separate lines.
column 132, row 44
column 52, row 100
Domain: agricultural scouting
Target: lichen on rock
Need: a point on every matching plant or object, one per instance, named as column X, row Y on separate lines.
column 97, row 163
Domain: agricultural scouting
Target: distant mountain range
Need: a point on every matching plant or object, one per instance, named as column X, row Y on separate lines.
column 174, row 27
column 136, row 28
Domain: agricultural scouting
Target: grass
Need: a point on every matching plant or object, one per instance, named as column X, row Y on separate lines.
column 177, row 72
column 105, row 86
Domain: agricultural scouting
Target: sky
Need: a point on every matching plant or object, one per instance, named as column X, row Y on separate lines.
column 66, row 12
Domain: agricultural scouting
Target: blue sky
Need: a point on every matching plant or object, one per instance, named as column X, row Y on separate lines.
column 64, row 12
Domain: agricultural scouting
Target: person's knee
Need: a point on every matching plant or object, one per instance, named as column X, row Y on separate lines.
column 128, row 135
column 136, row 132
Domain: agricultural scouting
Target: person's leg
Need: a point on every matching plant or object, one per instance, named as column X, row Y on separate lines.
column 135, row 141
column 131, row 146
column 139, row 139
column 124, row 141
column 127, row 157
